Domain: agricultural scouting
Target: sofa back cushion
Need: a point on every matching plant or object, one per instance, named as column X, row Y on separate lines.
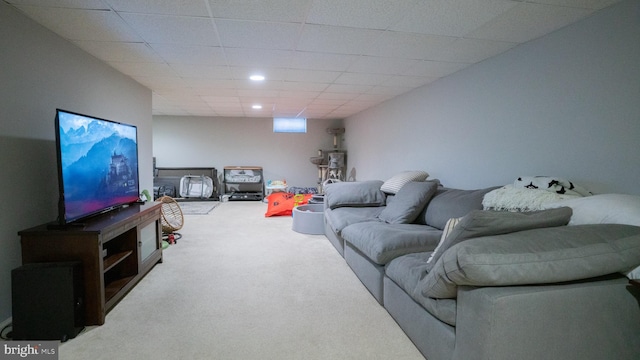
column 537, row 256
column 359, row 193
column 408, row 202
column 451, row 203
column 480, row 223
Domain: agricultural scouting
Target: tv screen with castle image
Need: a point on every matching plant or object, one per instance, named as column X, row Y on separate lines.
column 97, row 165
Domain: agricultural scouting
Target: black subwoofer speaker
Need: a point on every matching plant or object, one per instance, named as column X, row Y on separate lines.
column 48, row 301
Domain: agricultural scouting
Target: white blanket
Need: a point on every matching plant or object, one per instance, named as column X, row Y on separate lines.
column 552, row 184
column 531, row 193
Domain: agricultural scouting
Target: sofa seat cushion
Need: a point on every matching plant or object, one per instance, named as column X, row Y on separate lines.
column 382, row 242
column 537, row 256
column 342, row 217
column 407, row 271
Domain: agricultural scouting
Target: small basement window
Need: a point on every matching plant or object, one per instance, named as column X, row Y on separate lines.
column 289, row 125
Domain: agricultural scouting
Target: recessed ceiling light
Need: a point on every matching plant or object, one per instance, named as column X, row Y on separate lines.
column 256, row 107
column 256, row 77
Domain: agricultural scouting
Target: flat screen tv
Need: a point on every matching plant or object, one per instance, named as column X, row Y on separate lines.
column 97, row 165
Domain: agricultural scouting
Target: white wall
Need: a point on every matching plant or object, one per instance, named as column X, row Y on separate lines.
column 180, row 141
column 565, row 105
column 40, row 72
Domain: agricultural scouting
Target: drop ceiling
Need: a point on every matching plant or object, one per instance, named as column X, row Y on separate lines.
column 322, row 59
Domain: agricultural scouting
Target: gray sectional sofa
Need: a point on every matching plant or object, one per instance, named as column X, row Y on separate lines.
column 497, row 285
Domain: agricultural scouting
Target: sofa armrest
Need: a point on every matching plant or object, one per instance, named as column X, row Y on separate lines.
column 580, row 320
column 356, row 194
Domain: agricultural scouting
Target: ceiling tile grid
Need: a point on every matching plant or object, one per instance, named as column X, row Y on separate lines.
column 322, row 59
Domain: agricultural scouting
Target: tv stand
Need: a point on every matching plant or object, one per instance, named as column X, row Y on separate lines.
column 73, row 225
column 116, row 249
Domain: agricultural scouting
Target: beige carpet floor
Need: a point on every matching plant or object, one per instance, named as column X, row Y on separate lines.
column 238, row 285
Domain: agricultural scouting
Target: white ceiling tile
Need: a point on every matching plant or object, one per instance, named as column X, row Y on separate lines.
column 330, row 95
column 434, row 68
column 270, row 73
column 258, row 58
column 143, row 69
column 202, row 71
column 316, row 113
column 374, row 98
column 204, row 83
column 227, row 108
column 168, row 85
column 368, row 14
column 297, row 95
column 336, row 40
column 257, row 34
column 258, row 93
column 311, row 76
column 298, row 86
column 224, row 100
column 163, row 7
column 173, row 111
column 159, row 99
column 229, row 112
column 471, row 50
column 272, row 10
column 290, row 104
column 451, row 17
column 322, row 61
column 214, row 91
column 343, row 88
column 409, row 81
column 77, row 24
column 188, row 100
column 353, row 105
column 528, row 21
column 390, row 91
column 246, row 84
column 287, row 112
column 316, row 108
column 408, row 45
column 190, row 54
column 382, row 65
column 330, row 58
column 204, row 112
column 329, row 102
column 361, row 79
column 165, row 29
column 119, row 51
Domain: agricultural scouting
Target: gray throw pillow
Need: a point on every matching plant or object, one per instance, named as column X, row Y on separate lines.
column 480, row 223
column 408, row 202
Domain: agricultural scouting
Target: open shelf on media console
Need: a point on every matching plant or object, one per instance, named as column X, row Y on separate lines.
column 115, row 259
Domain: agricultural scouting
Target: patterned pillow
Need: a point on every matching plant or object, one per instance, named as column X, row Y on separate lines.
column 393, row 185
